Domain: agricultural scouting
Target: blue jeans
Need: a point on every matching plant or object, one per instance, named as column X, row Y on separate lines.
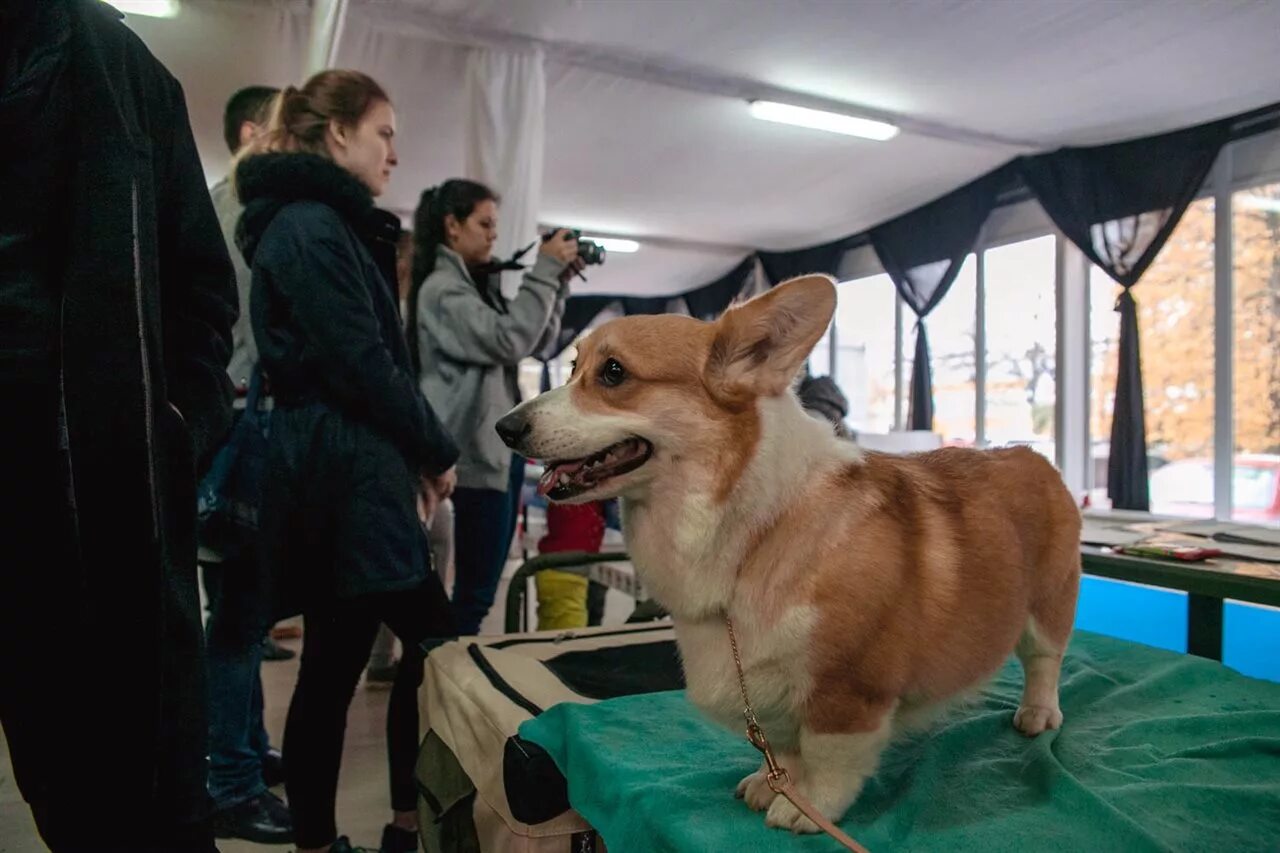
column 484, row 522
column 238, row 609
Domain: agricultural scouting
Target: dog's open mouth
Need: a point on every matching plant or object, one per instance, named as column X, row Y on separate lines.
column 564, row 480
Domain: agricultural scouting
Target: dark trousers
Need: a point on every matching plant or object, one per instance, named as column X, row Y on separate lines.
column 484, row 522
column 238, row 620
column 336, row 644
column 69, row 727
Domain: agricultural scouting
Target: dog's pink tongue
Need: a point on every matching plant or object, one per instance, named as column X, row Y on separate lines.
column 551, row 477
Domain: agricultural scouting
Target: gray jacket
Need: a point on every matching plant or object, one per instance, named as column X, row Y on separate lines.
column 244, row 352
column 471, row 353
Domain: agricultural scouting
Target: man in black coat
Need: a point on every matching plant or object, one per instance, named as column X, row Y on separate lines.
column 116, row 306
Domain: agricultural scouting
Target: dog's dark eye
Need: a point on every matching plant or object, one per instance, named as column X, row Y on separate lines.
column 612, row 373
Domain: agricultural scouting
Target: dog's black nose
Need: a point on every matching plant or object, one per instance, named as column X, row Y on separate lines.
column 512, row 428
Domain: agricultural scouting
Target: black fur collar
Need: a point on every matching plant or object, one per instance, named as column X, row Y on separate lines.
column 298, row 177
column 268, row 182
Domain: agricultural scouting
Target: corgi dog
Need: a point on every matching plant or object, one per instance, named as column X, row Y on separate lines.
column 866, row 590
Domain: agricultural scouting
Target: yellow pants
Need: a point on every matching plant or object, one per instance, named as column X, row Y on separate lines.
column 562, row 600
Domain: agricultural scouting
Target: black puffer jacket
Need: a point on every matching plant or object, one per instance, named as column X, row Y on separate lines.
column 351, row 432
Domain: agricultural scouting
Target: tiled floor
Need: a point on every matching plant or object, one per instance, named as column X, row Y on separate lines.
column 363, row 797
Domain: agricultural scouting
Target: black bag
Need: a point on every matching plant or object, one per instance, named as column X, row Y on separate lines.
column 230, row 495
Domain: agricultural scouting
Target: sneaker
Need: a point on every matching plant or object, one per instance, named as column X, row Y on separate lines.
column 342, row 844
column 380, row 677
column 271, row 650
column 263, row 819
column 397, row 840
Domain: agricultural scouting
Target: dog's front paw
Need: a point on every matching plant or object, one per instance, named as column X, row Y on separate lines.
column 754, row 790
column 783, row 815
column 1031, row 720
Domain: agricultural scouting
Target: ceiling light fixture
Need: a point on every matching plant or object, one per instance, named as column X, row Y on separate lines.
column 615, row 244
column 149, row 8
column 822, row 120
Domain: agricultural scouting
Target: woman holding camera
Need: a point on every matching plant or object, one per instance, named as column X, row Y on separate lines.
column 466, row 342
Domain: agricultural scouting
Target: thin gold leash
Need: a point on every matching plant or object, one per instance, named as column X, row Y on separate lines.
column 778, row 778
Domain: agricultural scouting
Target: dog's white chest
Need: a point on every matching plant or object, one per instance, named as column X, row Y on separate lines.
column 677, row 556
column 710, row 673
column 776, row 675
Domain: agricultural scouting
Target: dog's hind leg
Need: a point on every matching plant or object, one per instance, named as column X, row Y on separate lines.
column 1054, row 577
column 1041, row 658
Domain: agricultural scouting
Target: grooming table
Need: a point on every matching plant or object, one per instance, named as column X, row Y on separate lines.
column 1159, row 751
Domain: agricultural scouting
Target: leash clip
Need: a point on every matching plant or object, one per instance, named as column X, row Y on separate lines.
column 777, row 776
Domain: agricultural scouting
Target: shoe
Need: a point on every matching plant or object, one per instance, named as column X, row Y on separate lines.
column 342, row 844
column 263, row 819
column 377, row 677
column 397, row 840
column 273, row 768
column 271, row 650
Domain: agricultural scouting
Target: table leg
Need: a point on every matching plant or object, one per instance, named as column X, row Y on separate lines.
column 1204, row 626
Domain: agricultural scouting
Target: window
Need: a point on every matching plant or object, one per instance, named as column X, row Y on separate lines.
column 952, row 348
column 865, row 340
column 1255, row 225
column 1021, row 344
column 1175, row 319
column 820, row 358
column 529, row 379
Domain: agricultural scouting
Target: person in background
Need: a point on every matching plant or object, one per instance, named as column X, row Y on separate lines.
column 821, row 397
column 242, row 763
column 116, row 307
column 562, row 596
column 466, row 343
column 354, row 446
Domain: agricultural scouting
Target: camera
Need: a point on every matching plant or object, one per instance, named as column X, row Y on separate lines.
column 592, row 253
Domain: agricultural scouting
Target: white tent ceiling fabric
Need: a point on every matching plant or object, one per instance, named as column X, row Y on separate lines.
column 628, row 153
column 505, row 132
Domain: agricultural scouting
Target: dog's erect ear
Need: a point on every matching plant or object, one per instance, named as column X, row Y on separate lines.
column 759, row 346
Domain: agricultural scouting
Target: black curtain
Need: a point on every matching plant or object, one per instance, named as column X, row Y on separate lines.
column 705, row 303
column 922, row 251
column 780, row 266
column 709, row 301
column 1119, row 204
column 579, row 312
column 636, row 305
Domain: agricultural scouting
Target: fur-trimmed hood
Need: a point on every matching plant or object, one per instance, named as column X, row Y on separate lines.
column 266, row 183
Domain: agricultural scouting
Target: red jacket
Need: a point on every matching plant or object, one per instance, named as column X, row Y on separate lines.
column 578, row 527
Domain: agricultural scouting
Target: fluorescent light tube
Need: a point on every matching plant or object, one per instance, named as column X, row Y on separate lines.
column 150, row 8
column 821, row 120
column 615, row 244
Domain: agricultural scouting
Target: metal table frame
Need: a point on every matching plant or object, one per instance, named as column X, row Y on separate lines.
column 1207, row 585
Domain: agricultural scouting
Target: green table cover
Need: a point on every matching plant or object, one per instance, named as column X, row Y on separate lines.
column 1159, row 751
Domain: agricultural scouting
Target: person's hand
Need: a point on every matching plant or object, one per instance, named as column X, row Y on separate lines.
column 445, row 483
column 441, row 485
column 426, row 506
column 562, row 246
column 434, row 490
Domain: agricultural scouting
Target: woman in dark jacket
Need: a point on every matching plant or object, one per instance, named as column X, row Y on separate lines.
column 353, row 445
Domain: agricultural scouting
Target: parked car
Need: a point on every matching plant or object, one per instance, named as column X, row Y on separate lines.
column 1185, row 487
